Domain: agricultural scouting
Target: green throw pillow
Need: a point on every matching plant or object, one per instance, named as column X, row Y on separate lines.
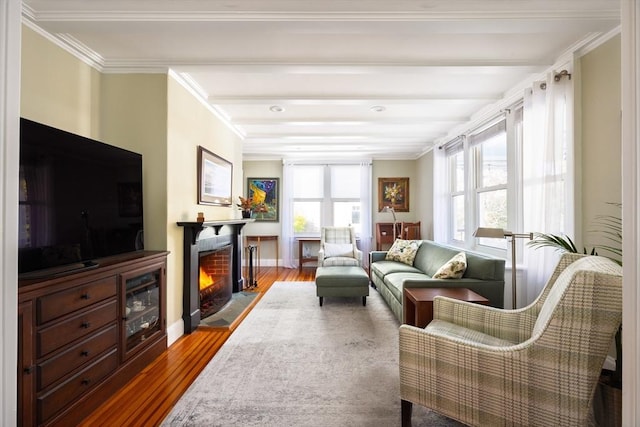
column 403, row 251
column 454, row 268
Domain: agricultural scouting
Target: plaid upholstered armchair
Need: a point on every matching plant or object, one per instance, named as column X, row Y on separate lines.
column 338, row 247
column 535, row 366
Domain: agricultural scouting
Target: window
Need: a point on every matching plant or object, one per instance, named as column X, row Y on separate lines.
column 489, row 149
column 479, row 170
column 325, row 195
column 456, row 162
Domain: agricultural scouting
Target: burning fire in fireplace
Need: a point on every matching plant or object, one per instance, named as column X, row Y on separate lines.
column 214, row 281
column 205, row 279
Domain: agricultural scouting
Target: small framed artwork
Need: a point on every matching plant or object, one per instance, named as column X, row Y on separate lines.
column 393, row 192
column 264, row 198
column 214, row 179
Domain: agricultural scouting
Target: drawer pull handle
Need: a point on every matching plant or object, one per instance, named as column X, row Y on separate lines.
column 86, row 295
column 85, row 353
column 86, row 381
column 86, row 325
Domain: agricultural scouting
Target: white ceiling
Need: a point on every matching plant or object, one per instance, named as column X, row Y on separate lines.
column 431, row 65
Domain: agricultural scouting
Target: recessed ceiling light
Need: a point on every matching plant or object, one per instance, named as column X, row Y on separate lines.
column 276, row 109
column 378, row 108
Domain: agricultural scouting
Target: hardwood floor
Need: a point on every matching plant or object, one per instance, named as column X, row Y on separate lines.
column 147, row 398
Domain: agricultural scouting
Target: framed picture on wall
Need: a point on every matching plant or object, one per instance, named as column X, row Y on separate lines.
column 393, row 192
column 265, row 198
column 214, row 179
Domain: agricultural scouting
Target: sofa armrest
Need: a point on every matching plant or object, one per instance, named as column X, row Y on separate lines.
column 358, row 254
column 425, row 380
column 510, row 325
column 321, row 256
column 377, row 256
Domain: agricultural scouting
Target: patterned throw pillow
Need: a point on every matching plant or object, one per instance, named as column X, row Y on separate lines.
column 454, row 268
column 403, row 251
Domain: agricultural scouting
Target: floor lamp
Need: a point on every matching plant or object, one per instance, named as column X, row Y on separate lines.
column 393, row 211
column 499, row 233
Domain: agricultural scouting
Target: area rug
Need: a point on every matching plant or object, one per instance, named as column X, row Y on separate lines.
column 293, row 363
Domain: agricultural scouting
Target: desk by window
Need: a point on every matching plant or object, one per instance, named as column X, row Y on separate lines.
column 259, row 239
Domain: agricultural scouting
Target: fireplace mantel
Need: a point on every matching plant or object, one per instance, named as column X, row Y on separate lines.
column 191, row 248
column 196, row 227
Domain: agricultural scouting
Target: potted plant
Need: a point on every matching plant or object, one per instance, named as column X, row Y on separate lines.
column 245, row 205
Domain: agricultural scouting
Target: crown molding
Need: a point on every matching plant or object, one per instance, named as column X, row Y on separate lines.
column 194, row 89
column 371, row 11
column 67, row 43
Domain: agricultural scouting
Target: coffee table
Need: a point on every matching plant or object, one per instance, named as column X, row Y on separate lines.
column 418, row 302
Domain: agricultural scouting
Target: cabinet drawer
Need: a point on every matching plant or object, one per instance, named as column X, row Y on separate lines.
column 58, row 398
column 59, row 334
column 84, row 352
column 52, row 306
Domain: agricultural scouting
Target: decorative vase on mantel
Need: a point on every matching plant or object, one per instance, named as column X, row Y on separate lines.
column 246, row 214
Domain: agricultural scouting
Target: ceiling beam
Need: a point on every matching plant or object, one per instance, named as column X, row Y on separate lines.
column 351, row 100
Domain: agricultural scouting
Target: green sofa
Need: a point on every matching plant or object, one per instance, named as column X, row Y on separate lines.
column 484, row 274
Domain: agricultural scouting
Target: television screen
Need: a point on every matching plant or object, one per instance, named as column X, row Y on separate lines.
column 80, row 200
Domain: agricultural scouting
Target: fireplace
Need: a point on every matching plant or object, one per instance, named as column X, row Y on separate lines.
column 214, row 280
column 204, row 238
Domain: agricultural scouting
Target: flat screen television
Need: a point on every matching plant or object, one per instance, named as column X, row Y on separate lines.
column 80, row 200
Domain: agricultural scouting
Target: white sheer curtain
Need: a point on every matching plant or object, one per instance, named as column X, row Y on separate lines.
column 366, row 207
column 440, row 194
column 289, row 258
column 548, row 176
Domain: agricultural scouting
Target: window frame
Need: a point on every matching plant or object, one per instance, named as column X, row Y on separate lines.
column 327, row 201
column 473, row 188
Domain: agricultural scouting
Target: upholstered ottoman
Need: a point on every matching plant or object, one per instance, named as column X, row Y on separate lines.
column 342, row 281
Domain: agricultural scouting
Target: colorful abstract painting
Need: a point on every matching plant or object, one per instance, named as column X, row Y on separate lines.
column 264, row 196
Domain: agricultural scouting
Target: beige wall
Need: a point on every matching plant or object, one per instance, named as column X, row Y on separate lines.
column 190, row 124
column 397, row 169
column 601, row 136
column 424, row 194
column 57, row 89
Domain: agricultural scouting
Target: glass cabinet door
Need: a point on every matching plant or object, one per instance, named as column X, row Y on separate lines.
column 142, row 302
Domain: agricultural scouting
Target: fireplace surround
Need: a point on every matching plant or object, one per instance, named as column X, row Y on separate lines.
column 205, row 237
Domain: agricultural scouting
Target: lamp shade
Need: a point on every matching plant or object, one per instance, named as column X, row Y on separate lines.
column 494, row 233
column 390, row 209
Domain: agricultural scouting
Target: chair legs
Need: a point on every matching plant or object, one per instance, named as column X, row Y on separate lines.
column 320, row 301
column 406, row 409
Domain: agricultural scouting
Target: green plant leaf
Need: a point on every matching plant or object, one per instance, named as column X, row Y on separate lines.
column 562, row 243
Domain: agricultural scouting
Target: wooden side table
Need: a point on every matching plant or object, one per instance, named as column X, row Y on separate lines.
column 261, row 238
column 301, row 258
column 417, row 303
column 384, row 234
